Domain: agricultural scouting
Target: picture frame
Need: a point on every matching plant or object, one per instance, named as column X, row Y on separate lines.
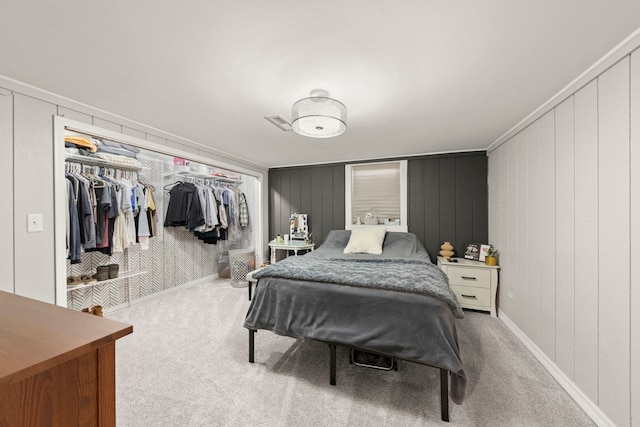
column 472, row 251
column 483, row 252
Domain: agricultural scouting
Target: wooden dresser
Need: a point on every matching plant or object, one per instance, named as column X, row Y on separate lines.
column 57, row 366
column 474, row 283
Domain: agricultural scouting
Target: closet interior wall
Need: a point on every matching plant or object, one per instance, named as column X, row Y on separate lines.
column 175, row 256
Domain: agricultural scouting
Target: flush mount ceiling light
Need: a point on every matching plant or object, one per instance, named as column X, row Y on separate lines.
column 319, row 116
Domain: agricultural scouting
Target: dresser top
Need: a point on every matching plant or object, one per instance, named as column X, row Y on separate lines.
column 35, row 336
column 465, row 263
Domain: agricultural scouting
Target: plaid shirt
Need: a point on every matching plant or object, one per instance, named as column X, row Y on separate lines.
column 244, row 210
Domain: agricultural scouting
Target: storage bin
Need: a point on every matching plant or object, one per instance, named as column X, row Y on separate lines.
column 373, row 360
column 241, row 262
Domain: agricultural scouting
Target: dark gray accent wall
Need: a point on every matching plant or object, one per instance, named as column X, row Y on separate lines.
column 315, row 190
column 447, row 199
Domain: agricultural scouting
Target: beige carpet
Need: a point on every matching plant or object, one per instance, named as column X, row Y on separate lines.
column 186, row 365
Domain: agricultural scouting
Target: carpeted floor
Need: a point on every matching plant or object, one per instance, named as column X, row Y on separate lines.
column 186, row 365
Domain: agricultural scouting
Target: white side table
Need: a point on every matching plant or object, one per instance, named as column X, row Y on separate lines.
column 474, row 283
column 291, row 245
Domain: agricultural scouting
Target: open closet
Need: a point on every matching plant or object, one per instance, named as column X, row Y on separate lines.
column 176, row 216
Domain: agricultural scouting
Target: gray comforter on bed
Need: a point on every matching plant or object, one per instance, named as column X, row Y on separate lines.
column 398, row 303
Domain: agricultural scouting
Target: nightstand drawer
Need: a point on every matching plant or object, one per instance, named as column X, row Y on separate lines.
column 472, row 297
column 464, row 276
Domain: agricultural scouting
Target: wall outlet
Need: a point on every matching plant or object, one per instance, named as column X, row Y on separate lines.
column 34, row 223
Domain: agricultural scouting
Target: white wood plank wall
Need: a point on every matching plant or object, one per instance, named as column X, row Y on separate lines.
column 568, row 236
column 547, row 235
column 6, row 189
column 586, row 239
column 33, row 194
column 534, row 258
column 613, row 231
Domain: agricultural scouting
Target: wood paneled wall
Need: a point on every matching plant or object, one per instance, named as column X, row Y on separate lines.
column 6, row 190
column 565, row 212
column 447, row 199
column 317, row 191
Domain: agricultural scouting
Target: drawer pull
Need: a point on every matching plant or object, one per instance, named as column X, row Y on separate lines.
column 468, row 278
column 469, row 296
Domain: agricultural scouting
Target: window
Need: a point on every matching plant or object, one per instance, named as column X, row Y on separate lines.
column 378, row 190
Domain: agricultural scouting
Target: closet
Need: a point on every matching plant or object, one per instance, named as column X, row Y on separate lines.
column 173, row 255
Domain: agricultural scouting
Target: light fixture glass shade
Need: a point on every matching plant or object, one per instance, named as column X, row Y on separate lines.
column 319, row 117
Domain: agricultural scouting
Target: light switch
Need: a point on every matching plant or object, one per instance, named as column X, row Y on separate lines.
column 34, row 223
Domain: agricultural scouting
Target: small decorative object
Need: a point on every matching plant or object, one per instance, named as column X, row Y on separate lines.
column 279, row 239
column 308, row 238
column 299, row 227
column 369, row 219
column 483, row 252
column 358, row 221
column 492, row 256
column 473, row 251
column 447, row 250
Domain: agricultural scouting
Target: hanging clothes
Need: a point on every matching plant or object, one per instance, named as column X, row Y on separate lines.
column 243, row 210
column 208, row 209
column 102, row 204
column 184, row 207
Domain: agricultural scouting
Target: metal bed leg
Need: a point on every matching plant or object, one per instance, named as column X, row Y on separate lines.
column 332, row 364
column 249, row 290
column 444, row 395
column 251, row 344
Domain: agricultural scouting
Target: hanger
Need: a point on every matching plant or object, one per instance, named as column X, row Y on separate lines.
column 177, row 182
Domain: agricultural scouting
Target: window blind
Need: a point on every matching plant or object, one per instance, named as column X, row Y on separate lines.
column 376, row 190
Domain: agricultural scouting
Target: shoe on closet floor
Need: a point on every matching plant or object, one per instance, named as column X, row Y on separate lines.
column 87, row 279
column 113, row 271
column 74, row 282
column 97, row 310
column 102, row 273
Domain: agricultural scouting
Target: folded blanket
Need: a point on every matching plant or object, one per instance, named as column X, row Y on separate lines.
column 82, row 142
column 112, row 147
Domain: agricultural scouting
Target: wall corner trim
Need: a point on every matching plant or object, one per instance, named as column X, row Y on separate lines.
column 588, row 406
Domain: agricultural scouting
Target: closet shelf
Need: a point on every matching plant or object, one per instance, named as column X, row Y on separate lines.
column 121, row 275
column 201, row 175
column 94, row 161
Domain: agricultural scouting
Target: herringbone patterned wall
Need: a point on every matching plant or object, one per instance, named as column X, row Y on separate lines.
column 175, row 256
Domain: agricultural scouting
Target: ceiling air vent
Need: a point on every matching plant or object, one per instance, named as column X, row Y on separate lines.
column 279, row 121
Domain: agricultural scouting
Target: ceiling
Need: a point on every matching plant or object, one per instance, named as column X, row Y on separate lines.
column 418, row 76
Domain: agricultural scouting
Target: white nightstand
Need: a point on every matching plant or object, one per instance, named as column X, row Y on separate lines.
column 474, row 283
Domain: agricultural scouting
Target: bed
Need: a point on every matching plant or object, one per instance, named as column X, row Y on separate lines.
column 391, row 300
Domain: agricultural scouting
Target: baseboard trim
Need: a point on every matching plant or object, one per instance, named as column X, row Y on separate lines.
column 163, row 292
column 565, row 382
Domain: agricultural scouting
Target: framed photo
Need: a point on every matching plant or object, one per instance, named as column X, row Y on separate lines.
column 483, row 251
column 473, row 251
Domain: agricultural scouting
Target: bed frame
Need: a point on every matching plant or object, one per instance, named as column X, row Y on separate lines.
column 444, row 374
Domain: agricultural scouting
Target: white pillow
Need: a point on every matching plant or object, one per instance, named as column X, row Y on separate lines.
column 366, row 240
